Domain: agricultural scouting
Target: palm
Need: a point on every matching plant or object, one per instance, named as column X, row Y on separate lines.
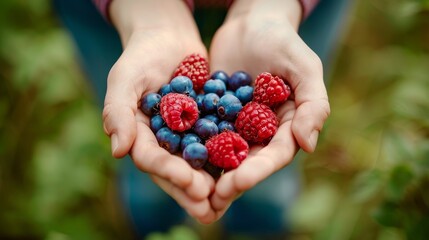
column 274, row 47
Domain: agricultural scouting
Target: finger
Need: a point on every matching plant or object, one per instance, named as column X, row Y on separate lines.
column 150, row 157
column 119, row 111
column 311, row 98
column 200, row 210
column 277, row 154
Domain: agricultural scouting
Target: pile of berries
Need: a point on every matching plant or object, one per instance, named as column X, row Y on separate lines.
column 212, row 119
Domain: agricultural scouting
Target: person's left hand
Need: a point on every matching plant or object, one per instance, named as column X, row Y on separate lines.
column 260, row 36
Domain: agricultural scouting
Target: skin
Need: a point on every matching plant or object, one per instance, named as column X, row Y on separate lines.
column 257, row 36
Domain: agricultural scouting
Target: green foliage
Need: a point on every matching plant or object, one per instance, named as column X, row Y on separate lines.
column 375, row 148
column 55, row 163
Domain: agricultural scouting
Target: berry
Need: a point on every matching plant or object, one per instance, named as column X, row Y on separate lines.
column 188, row 139
column 270, row 90
column 228, row 107
column 256, row 123
column 212, row 117
column 165, row 89
column 229, row 92
column 179, row 111
column 215, row 86
column 156, row 123
column 245, row 94
column 193, row 94
column 226, row 126
column 150, row 104
column 181, row 84
column 168, row 140
column 196, row 68
column 196, row 155
column 239, row 79
column 199, row 99
column 221, row 75
column 227, row 150
column 205, row 128
column 210, row 103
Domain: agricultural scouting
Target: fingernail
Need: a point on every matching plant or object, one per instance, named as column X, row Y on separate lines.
column 114, row 142
column 313, row 139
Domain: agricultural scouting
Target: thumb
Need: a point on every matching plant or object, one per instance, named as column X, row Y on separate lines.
column 120, row 107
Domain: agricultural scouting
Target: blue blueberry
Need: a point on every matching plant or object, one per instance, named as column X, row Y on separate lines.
column 245, row 94
column 156, row 123
column 221, row 75
column 212, row 117
column 239, row 79
column 150, row 103
column 168, row 140
column 189, row 138
column 210, row 103
column 205, row 128
column 229, row 92
column 215, row 86
column 228, row 107
column 165, row 89
column 199, row 100
column 181, row 84
column 225, row 126
column 196, row 155
column 193, row 94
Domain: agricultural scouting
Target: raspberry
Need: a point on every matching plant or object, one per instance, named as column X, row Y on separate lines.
column 179, row 111
column 270, row 90
column 227, row 150
column 196, row 68
column 256, row 123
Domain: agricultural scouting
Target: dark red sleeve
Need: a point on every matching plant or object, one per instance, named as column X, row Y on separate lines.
column 307, row 5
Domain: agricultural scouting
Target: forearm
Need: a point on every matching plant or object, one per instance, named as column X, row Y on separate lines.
column 129, row 16
column 276, row 10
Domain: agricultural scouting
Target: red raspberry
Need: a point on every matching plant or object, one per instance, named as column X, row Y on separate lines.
column 227, row 150
column 196, row 68
column 179, row 111
column 270, row 90
column 256, row 123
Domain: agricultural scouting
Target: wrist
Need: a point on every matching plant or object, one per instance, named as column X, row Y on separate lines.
column 275, row 10
column 130, row 16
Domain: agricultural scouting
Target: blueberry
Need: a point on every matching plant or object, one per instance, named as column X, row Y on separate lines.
column 228, row 107
column 189, row 138
column 193, row 94
column 205, row 128
column 165, row 89
column 226, row 125
column 199, row 100
column 215, row 86
column 239, row 79
column 245, row 94
column 212, row 117
column 210, row 103
column 156, row 123
column 150, row 103
column 221, row 75
column 196, row 155
column 168, row 140
column 229, row 92
column 181, row 84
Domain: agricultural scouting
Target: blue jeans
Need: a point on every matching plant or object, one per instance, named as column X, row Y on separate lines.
column 262, row 209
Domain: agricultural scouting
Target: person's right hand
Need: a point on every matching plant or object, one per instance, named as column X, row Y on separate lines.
column 156, row 35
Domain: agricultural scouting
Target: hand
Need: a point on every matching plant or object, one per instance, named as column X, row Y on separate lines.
column 259, row 36
column 156, row 36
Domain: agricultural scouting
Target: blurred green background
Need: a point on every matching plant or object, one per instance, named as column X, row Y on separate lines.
column 368, row 179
